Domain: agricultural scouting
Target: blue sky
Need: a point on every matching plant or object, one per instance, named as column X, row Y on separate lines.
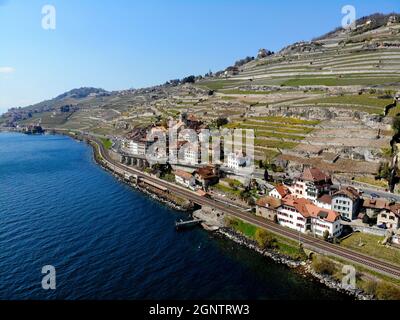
column 124, row 44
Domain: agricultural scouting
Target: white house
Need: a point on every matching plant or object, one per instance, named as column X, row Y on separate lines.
column 138, row 146
column 185, row 179
column 325, row 202
column 237, row 160
column 347, row 202
column 390, row 218
column 279, row 192
column 302, row 215
column 191, row 154
column 312, row 184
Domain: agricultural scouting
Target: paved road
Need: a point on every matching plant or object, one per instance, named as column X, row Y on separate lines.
column 308, row 242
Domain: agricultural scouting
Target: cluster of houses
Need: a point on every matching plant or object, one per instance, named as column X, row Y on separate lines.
column 311, row 204
column 140, row 141
column 314, row 205
column 202, row 178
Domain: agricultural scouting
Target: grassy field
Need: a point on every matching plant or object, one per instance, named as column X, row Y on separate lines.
column 372, row 247
column 394, row 111
column 277, row 129
column 275, row 144
column 339, row 81
column 277, row 135
column 286, row 120
column 372, row 182
column 106, row 143
column 283, row 246
column 218, row 84
column 227, row 190
column 364, row 100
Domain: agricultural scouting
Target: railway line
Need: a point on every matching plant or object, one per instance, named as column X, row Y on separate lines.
column 307, row 241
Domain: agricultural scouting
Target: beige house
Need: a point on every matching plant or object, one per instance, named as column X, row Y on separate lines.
column 390, row 218
column 267, row 207
column 375, row 207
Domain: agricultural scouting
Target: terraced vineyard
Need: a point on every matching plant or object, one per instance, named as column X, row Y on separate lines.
column 326, row 102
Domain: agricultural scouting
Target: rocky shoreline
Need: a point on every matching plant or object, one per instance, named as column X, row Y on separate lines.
column 300, row 267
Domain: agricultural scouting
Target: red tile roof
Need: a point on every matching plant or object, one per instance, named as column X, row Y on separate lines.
column 395, row 208
column 269, row 202
column 206, row 172
column 283, row 190
column 183, row 174
column 376, row 204
column 309, row 210
column 326, row 198
column 349, row 192
column 314, row 175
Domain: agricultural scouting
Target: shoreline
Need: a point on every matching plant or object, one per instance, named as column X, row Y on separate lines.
column 303, row 268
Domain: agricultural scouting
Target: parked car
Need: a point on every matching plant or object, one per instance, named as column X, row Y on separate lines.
column 374, row 195
column 345, row 219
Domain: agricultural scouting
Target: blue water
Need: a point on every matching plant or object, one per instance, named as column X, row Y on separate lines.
column 107, row 241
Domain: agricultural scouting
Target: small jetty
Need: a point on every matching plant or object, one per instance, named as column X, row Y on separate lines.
column 181, row 224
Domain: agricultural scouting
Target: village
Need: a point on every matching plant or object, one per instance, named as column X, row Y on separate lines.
column 310, row 202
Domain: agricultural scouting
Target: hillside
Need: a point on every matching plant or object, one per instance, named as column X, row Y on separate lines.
column 326, row 102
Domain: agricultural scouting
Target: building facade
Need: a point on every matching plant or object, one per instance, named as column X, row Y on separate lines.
column 312, row 184
column 304, row 216
column 267, row 208
column 347, row 202
column 279, row 192
column 391, row 218
column 185, row 179
column 237, row 160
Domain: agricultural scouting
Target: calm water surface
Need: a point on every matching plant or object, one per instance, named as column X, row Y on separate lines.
column 107, row 241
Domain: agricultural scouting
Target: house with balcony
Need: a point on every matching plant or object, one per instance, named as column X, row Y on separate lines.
column 304, row 216
column 347, row 202
column 312, row 184
column 391, row 218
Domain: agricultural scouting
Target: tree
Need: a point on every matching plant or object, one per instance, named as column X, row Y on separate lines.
column 384, row 171
column 396, row 124
column 264, row 239
column 326, row 235
column 266, row 175
column 190, row 79
column 323, row 265
column 219, row 122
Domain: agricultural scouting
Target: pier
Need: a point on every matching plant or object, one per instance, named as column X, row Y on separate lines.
column 187, row 224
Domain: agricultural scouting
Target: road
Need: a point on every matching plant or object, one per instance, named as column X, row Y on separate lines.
column 308, row 242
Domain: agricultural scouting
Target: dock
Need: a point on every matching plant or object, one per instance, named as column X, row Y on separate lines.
column 187, row 224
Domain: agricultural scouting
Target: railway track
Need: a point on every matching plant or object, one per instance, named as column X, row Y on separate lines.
column 307, row 241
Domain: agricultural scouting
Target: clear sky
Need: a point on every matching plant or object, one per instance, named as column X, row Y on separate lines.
column 122, row 44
